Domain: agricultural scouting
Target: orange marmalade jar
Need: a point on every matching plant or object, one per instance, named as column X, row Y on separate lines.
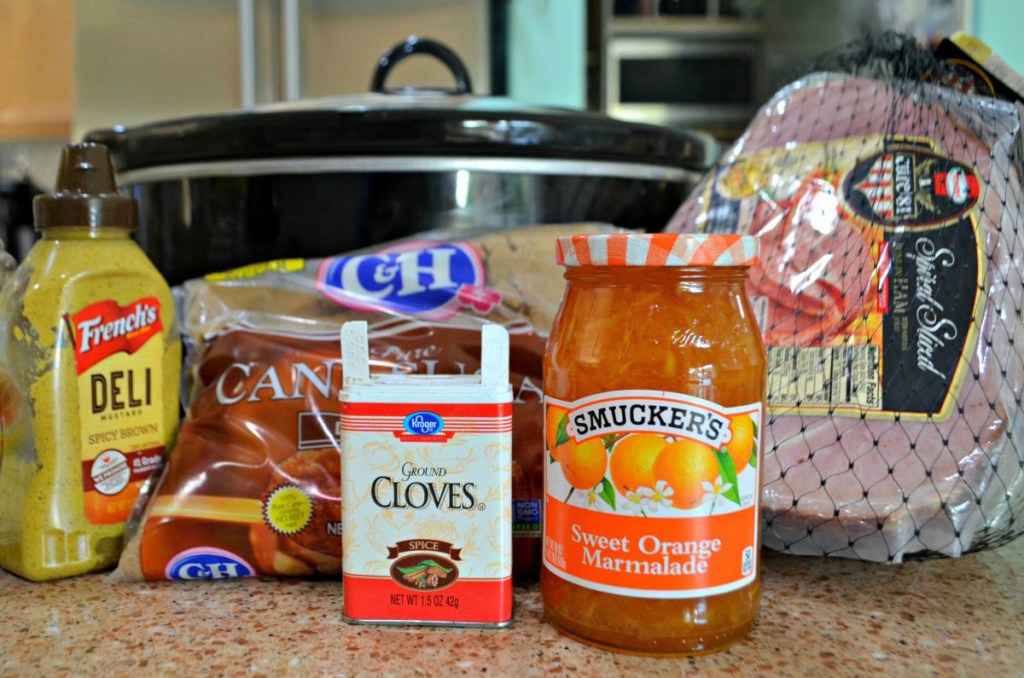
column 654, row 382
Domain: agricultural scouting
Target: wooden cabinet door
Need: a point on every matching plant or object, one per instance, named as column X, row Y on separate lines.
column 36, row 68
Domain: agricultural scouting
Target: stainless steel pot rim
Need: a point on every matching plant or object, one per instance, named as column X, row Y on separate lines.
column 406, row 164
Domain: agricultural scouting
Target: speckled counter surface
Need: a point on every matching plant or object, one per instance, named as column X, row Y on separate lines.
column 821, row 617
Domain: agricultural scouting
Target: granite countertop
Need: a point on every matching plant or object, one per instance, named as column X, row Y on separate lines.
column 818, row 616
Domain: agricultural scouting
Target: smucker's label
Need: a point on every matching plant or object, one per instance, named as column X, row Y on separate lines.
column 657, row 415
column 652, row 494
column 426, row 279
column 119, row 359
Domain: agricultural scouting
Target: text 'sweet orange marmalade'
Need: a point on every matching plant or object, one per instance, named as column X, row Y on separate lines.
column 654, row 382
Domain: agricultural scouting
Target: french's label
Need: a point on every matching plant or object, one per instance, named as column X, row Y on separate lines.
column 428, row 279
column 120, row 396
column 652, row 494
column 105, row 328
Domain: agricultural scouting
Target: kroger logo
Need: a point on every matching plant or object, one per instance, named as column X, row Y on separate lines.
column 207, row 563
column 434, row 280
column 423, row 424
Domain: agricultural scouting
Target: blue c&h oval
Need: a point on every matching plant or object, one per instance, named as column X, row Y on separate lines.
column 208, row 563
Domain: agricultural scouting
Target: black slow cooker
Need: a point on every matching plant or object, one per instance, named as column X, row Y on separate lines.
column 321, row 177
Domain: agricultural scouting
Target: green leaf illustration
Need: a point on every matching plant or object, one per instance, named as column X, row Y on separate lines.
column 753, row 451
column 422, row 565
column 410, row 570
column 728, row 472
column 434, row 563
column 560, row 435
column 607, row 492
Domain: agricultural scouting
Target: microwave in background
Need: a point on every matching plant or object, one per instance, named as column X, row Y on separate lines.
column 707, row 82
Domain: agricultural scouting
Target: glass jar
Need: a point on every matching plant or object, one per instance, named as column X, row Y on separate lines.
column 654, row 382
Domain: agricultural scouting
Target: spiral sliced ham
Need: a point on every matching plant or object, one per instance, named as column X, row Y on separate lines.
column 865, row 482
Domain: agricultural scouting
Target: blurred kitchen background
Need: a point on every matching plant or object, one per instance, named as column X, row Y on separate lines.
column 68, row 67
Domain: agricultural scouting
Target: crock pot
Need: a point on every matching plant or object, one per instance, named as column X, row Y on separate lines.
column 320, row 177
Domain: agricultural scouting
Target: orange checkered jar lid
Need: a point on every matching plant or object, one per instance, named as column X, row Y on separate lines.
column 658, row 249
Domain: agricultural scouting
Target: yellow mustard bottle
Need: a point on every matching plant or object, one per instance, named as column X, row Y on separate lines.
column 90, row 360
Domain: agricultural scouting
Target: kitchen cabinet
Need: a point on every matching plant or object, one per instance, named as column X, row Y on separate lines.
column 819, row 617
column 36, row 69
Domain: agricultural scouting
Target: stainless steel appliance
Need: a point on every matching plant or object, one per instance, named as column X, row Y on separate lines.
column 320, row 177
column 683, row 76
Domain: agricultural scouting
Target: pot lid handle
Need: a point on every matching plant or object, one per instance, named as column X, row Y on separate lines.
column 417, row 45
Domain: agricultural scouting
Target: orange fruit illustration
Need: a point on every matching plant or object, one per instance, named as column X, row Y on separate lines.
column 633, row 461
column 552, row 417
column 684, row 465
column 583, row 465
column 742, row 444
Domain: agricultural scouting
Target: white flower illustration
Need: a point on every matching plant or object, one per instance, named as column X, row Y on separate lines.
column 660, row 496
column 713, row 492
column 637, row 502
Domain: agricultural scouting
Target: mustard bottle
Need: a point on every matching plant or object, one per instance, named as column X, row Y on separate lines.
column 89, row 368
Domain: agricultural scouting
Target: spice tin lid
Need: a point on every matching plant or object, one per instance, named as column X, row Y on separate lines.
column 658, row 249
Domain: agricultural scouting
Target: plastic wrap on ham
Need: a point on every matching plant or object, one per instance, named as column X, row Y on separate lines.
column 889, row 295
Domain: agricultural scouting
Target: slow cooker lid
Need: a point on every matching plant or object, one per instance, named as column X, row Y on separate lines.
column 407, row 122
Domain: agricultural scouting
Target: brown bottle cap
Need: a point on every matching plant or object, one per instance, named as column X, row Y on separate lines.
column 86, row 194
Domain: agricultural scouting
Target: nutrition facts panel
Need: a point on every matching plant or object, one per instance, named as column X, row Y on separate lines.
column 826, row 376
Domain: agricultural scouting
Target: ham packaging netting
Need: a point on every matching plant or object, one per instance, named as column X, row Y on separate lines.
column 889, row 295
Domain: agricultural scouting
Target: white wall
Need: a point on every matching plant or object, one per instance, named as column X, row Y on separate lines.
column 547, row 51
column 144, row 60
column 344, row 40
column 1000, row 24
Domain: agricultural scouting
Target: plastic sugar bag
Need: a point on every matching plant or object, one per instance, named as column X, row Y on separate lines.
column 252, row 485
column 889, row 295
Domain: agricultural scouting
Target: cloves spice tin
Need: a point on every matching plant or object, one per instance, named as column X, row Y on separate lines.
column 426, row 490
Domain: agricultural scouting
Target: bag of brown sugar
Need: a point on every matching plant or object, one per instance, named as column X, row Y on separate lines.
column 252, row 484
